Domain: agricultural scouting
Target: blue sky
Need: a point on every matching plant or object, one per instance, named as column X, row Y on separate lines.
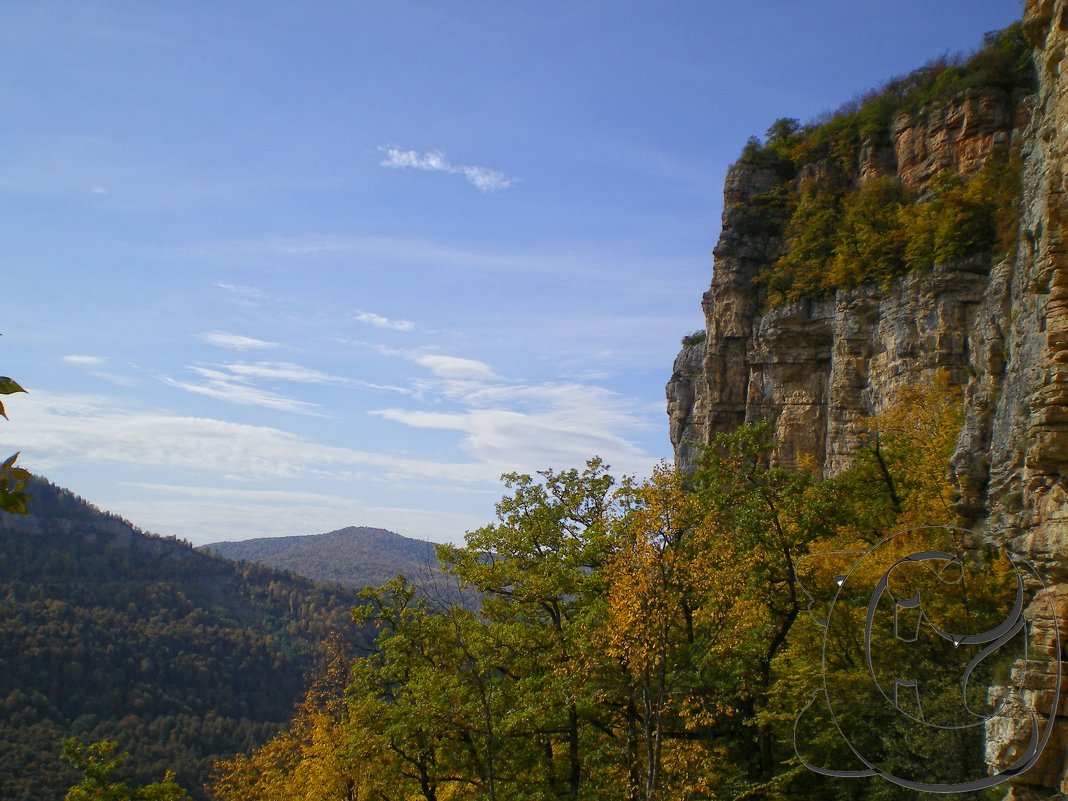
column 276, row 268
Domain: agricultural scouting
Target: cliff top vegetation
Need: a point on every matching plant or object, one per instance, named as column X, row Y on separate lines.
column 1002, row 62
column 836, row 231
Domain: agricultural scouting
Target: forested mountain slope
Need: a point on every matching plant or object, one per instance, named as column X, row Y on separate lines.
column 106, row 632
column 356, row 556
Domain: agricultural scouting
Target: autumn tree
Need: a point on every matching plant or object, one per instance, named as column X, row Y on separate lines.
column 635, row 640
column 773, row 515
column 901, row 477
column 673, row 584
column 319, row 756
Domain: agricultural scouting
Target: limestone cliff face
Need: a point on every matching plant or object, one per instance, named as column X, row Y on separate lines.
column 815, row 368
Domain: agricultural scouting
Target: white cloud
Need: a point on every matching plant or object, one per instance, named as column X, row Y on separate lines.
column 442, row 420
column 483, row 179
column 556, row 432
column 281, row 371
column 509, row 425
column 384, row 250
column 246, row 294
column 85, row 430
column 84, row 361
column 385, row 387
column 220, row 387
column 234, row 383
column 92, row 366
column 378, row 321
column 224, row 339
column 454, row 367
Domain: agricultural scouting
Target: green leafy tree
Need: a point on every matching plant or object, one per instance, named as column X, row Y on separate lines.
column 645, row 641
column 871, row 238
column 811, row 237
column 435, row 693
column 539, row 572
column 775, row 516
column 97, row 762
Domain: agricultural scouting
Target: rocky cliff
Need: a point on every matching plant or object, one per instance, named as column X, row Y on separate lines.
column 816, row 364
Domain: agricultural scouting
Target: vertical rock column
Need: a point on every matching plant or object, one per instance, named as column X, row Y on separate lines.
column 1028, row 494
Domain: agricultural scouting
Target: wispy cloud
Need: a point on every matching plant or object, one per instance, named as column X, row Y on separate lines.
column 94, row 430
column 212, row 514
column 378, row 321
column 483, row 179
column 84, row 361
column 551, row 435
column 507, row 425
column 97, row 367
column 455, row 367
column 236, row 383
column 245, row 294
column 281, row 371
column 221, row 386
column 384, row 250
column 224, row 339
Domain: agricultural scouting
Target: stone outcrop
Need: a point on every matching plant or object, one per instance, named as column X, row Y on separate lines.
column 817, row 368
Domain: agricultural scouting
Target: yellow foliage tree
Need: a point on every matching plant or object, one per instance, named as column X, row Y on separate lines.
column 673, row 591
column 322, row 755
column 912, row 441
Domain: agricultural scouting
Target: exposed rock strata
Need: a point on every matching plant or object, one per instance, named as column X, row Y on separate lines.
column 816, row 368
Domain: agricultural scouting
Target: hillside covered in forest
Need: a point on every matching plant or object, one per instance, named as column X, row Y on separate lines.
column 354, row 557
column 110, row 633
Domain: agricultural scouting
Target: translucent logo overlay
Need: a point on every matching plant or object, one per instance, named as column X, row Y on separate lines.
column 928, row 648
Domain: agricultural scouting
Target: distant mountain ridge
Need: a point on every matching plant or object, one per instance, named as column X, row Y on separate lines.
column 354, row 557
column 180, row 655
